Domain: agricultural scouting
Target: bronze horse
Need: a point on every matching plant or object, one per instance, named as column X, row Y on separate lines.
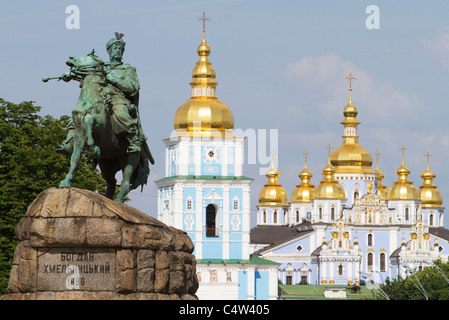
column 92, row 128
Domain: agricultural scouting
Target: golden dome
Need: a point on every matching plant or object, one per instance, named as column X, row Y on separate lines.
column 329, row 188
column 203, row 113
column 350, row 157
column 382, row 191
column 303, row 191
column 428, row 193
column 272, row 194
column 403, row 188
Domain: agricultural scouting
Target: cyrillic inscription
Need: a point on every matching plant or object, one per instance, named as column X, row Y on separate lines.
column 61, row 269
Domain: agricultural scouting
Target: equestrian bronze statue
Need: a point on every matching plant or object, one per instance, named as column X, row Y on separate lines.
column 106, row 120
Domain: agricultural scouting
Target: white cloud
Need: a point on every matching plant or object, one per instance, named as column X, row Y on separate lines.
column 439, row 48
column 322, row 79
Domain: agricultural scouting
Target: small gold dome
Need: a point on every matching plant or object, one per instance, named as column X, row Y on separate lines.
column 272, row 194
column 329, row 188
column 428, row 192
column 403, row 188
column 203, row 113
column 303, row 191
column 350, row 157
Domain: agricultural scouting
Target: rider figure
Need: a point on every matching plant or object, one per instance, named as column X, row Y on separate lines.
column 125, row 93
column 124, row 98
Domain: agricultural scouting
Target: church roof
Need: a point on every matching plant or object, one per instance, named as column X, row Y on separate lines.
column 442, row 233
column 277, row 235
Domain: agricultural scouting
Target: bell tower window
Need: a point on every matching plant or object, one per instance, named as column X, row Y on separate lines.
column 211, row 221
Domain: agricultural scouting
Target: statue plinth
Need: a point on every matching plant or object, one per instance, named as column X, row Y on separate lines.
column 77, row 244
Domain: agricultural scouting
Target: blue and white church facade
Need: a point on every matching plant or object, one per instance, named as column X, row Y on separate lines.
column 205, row 194
column 350, row 228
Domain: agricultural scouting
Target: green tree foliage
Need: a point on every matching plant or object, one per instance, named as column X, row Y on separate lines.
column 29, row 164
column 419, row 284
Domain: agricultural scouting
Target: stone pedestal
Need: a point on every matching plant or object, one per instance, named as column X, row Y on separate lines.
column 76, row 244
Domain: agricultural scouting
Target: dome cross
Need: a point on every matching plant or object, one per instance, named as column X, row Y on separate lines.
column 350, row 78
column 203, row 18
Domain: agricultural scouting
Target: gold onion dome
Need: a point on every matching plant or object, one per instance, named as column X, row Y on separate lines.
column 350, row 157
column 403, row 188
column 428, row 193
column 303, row 191
column 329, row 188
column 382, row 191
column 203, row 113
column 272, row 194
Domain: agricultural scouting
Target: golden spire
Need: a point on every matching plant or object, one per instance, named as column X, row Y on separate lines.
column 204, row 114
column 329, row 188
column 382, row 191
column 203, row 75
column 350, row 157
column 272, row 194
column 402, row 170
column 428, row 193
column 403, row 188
column 303, row 191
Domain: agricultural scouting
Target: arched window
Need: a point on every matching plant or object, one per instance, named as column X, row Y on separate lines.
column 431, row 220
column 370, row 261
column 382, row 262
column 264, row 216
column 275, row 216
column 340, row 270
column 333, row 213
column 297, row 216
column 370, row 239
column 320, row 213
column 211, row 221
column 407, row 214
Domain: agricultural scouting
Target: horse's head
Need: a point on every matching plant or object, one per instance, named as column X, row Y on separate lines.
column 86, row 65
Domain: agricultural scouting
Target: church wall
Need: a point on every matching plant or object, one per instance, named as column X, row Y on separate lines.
column 383, row 243
column 432, row 217
column 189, row 193
column 235, row 249
column 274, row 215
column 243, row 285
column 212, row 248
column 262, row 285
column 294, row 269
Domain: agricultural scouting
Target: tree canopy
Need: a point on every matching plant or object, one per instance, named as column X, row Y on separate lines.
column 432, row 283
column 29, row 164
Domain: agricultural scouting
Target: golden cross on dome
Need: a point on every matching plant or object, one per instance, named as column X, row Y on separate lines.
column 306, row 153
column 428, row 155
column 329, row 148
column 377, row 155
column 204, row 19
column 350, row 78
column 403, row 149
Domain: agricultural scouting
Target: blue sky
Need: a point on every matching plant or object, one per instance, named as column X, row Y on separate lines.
column 280, row 65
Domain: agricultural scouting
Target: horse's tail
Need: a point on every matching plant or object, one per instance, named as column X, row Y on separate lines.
column 141, row 173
